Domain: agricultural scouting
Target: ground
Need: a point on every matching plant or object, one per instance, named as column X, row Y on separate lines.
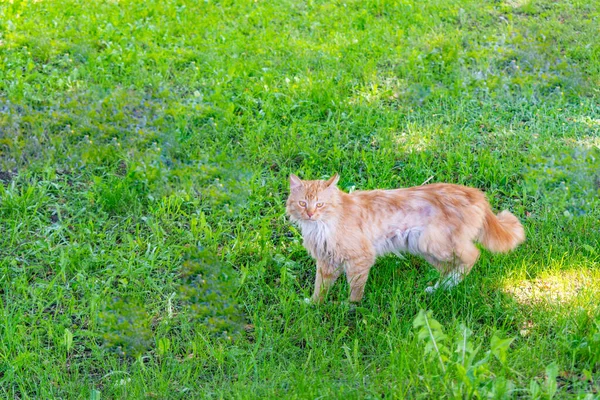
column 144, row 153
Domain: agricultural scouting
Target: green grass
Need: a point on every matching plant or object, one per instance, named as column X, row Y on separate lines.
column 144, row 154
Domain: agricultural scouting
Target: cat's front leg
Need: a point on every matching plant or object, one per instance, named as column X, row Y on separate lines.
column 327, row 273
column 357, row 273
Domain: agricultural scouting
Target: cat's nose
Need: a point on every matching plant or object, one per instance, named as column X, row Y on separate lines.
column 310, row 214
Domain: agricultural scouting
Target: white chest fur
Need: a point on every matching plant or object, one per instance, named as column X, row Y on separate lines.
column 318, row 238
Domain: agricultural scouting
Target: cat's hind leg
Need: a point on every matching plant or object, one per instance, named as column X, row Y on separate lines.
column 467, row 255
column 443, row 268
column 446, row 281
column 454, row 270
column 435, row 245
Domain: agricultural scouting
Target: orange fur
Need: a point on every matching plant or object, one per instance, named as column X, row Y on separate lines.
column 346, row 232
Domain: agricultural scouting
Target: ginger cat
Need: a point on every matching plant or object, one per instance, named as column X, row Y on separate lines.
column 440, row 222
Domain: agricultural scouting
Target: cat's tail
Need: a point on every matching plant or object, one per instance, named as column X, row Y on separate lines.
column 502, row 232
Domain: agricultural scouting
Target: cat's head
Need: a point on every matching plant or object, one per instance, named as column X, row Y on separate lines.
column 312, row 200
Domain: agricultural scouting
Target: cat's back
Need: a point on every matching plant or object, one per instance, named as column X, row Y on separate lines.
column 446, row 193
column 435, row 194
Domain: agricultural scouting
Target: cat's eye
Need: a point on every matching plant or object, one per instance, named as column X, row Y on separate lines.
column 319, row 205
column 302, row 203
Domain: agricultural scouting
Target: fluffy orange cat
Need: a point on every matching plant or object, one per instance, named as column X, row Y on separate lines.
column 440, row 222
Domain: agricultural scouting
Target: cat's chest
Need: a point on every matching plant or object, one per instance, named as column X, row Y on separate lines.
column 318, row 238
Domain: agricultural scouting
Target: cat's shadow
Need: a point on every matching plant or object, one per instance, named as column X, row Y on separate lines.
column 400, row 284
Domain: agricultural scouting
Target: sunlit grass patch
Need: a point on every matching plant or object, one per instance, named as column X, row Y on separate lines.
column 517, row 3
column 573, row 288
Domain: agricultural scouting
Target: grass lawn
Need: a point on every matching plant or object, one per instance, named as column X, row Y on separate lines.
column 144, row 153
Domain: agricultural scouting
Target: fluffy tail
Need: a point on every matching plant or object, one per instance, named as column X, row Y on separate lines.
column 502, row 232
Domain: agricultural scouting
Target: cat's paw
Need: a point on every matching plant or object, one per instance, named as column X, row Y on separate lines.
column 352, row 309
column 430, row 289
column 311, row 301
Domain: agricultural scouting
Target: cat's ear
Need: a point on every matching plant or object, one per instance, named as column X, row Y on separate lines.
column 295, row 182
column 333, row 180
